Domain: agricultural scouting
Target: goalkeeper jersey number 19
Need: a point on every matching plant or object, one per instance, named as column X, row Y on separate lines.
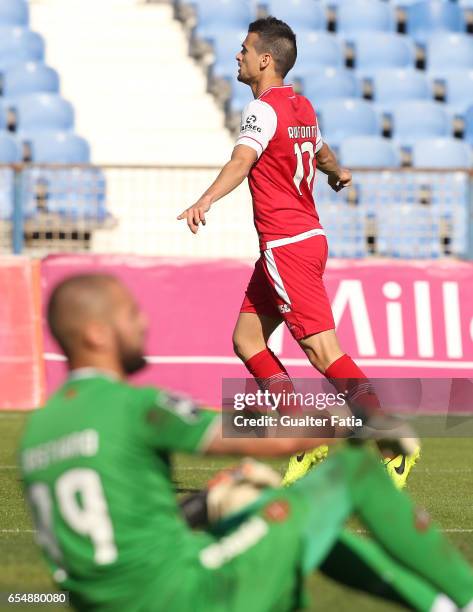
column 96, row 469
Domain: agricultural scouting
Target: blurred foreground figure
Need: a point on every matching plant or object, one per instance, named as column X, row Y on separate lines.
column 96, row 468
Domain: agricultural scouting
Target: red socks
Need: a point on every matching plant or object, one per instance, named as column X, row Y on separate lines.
column 347, row 378
column 344, row 374
column 271, row 375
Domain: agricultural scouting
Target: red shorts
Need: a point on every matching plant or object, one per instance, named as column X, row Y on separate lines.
column 287, row 283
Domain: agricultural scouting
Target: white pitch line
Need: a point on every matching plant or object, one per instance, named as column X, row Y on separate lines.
column 226, row 360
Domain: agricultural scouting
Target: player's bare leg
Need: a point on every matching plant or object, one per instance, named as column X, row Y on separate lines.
column 324, row 352
column 251, row 334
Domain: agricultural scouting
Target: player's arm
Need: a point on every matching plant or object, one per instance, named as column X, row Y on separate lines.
column 262, row 447
column 338, row 177
column 258, row 126
column 231, row 176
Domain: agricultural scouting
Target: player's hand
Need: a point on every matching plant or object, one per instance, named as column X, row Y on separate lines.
column 340, row 180
column 196, row 214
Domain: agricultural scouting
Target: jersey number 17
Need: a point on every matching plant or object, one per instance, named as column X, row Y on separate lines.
column 299, row 150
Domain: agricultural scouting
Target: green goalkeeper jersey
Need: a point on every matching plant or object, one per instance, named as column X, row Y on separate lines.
column 96, row 469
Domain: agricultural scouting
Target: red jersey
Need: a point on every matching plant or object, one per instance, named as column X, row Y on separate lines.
column 282, row 128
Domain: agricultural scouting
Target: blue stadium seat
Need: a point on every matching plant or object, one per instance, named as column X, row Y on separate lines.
column 382, row 50
column 7, row 191
column 10, row 151
column 364, row 15
column 56, row 147
column 29, row 77
column 428, row 16
column 340, row 119
column 328, row 83
column 213, row 15
column 469, row 125
column 447, row 51
column 395, row 85
column 408, row 230
column 44, row 111
column 318, row 49
column 74, row 193
column 19, row 44
column 13, row 12
column 299, row 14
column 3, row 115
column 459, row 90
column 441, row 153
column 369, row 152
column 344, row 226
column 418, row 119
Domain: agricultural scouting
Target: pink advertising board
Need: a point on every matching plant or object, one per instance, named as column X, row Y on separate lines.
column 396, row 319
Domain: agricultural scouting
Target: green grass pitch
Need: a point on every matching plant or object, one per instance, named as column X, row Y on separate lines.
column 441, row 482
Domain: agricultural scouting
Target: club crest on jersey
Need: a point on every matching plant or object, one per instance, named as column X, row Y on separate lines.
column 182, row 406
column 284, row 308
column 250, row 125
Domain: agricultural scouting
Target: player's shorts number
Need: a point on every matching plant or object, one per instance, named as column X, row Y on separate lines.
column 81, row 502
column 299, row 150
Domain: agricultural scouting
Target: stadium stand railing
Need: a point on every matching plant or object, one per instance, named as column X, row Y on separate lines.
column 401, row 213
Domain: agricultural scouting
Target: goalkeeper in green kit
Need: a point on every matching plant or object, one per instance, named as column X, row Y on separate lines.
column 96, row 469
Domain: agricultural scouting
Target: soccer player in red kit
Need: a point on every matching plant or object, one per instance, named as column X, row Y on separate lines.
column 278, row 149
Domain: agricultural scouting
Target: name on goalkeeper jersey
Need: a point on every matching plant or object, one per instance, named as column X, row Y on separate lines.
column 303, row 131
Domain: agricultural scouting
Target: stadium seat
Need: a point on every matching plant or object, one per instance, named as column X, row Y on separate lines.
column 214, row 15
column 13, row 12
column 3, row 115
column 318, row 49
column 447, row 51
column 29, row 77
column 44, row 111
column 382, row 50
column 459, row 90
column 56, row 147
column 344, row 226
column 409, row 231
column 441, row 153
column 340, row 119
column 419, row 119
column 369, row 152
column 74, row 193
column 10, row 151
column 328, row 83
column 364, row 15
column 299, row 14
column 19, row 44
column 395, row 85
column 469, row 125
column 428, row 16
column 7, row 187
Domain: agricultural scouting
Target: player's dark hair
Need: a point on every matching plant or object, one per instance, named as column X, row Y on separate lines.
column 276, row 38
